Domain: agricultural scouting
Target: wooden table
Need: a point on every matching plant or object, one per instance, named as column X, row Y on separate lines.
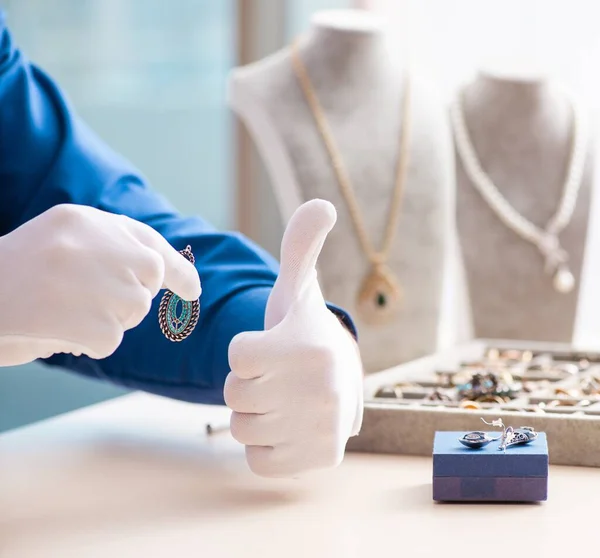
column 139, row 477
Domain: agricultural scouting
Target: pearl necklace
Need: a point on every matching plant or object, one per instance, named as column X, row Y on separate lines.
column 546, row 240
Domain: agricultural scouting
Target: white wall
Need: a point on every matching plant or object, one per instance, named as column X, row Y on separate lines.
column 448, row 39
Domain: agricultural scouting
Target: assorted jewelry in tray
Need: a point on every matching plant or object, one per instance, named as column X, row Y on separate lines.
column 509, row 380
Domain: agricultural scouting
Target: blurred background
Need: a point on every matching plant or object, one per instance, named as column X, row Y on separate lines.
column 150, row 76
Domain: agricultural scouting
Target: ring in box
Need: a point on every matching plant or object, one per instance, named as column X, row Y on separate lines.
column 461, row 474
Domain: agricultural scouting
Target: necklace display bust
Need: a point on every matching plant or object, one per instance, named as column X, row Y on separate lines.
column 522, row 131
column 359, row 80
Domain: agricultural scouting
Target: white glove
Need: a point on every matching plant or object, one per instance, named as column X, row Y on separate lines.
column 295, row 389
column 75, row 278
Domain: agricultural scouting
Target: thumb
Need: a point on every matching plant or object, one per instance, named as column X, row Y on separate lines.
column 302, row 243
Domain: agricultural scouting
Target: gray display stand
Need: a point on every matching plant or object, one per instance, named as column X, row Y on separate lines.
column 360, row 80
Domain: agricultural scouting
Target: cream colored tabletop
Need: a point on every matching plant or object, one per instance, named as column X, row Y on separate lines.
column 138, row 477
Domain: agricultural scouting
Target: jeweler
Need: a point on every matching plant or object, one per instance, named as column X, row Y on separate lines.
column 86, row 246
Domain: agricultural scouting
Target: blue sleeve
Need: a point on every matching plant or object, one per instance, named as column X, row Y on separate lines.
column 49, row 156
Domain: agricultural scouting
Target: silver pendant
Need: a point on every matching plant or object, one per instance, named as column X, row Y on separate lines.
column 177, row 317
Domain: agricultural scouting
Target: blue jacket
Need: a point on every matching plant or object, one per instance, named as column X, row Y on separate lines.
column 49, row 156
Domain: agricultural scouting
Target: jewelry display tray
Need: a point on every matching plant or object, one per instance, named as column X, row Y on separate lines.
column 407, row 425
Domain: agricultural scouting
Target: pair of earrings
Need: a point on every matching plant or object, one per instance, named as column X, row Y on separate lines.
column 510, row 436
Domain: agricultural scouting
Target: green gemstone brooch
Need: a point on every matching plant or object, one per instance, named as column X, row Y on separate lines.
column 177, row 317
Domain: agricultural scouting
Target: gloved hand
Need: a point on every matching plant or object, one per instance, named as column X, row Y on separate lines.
column 296, row 388
column 75, row 278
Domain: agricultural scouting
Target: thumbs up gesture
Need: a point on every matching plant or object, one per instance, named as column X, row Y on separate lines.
column 295, row 388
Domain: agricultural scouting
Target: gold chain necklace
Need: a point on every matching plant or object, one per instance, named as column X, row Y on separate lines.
column 380, row 294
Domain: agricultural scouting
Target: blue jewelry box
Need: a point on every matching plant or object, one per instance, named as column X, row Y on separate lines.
column 462, row 474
